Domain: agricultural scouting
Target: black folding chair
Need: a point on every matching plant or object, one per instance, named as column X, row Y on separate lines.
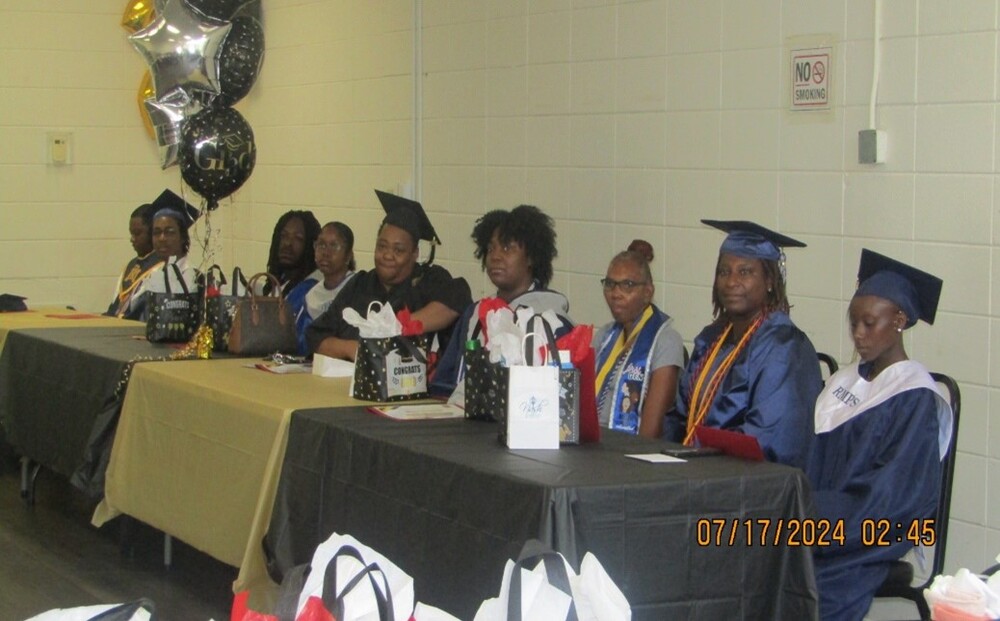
column 899, row 581
column 830, row 364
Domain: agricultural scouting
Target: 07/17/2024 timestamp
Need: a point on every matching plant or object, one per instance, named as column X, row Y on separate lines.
column 874, row 532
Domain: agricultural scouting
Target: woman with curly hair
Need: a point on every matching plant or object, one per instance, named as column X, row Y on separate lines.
column 291, row 259
column 516, row 249
column 752, row 370
column 639, row 354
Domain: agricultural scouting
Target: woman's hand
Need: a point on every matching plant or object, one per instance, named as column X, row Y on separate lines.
column 345, row 349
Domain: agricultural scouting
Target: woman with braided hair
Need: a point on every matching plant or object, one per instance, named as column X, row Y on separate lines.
column 752, row 370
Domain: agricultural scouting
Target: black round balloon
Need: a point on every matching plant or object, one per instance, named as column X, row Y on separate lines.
column 216, row 9
column 240, row 59
column 217, row 153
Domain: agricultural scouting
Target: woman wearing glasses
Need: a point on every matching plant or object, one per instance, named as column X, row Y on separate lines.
column 431, row 294
column 334, row 254
column 639, row 354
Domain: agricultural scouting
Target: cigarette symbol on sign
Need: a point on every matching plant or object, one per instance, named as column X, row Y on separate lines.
column 818, row 72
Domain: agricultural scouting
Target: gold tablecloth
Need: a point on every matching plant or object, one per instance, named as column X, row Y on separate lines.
column 55, row 317
column 198, row 451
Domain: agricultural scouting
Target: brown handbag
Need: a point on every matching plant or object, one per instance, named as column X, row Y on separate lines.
column 263, row 324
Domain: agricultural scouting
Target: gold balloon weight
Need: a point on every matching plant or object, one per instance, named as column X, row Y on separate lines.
column 200, row 345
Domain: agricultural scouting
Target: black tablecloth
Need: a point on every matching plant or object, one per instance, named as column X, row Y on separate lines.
column 449, row 505
column 58, row 384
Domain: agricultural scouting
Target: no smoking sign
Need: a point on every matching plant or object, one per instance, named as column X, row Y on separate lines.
column 811, row 78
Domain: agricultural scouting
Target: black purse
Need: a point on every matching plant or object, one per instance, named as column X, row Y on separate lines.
column 173, row 317
column 220, row 309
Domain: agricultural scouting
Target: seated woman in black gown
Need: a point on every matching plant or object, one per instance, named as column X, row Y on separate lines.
column 431, row 294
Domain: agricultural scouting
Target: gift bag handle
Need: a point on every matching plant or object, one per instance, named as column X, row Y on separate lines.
column 555, row 572
column 180, row 278
column 124, row 612
column 238, row 277
column 219, row 278
column 334, row 602
column 550, row 338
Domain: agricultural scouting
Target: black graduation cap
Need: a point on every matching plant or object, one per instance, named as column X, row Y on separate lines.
column 914, row 291
column 751, row 240
column 12, row 303
column 168, row 200
column 408, row 215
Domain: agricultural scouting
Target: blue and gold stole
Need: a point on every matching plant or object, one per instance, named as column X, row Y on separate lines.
column 622, row 366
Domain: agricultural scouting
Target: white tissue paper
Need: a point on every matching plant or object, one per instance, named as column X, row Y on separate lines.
column 379, row 324
column 965, row 592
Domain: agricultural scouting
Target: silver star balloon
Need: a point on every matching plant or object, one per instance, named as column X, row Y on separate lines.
column 168, row 114
column 181, row 49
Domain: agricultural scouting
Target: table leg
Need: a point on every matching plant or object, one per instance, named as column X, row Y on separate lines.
column 29, row 473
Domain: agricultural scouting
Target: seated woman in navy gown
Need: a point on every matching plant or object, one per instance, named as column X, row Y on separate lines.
column 752, row 370
column 290, row 258
column 882, row 428
column 334, row 255
column 430, row 293
column 516, row 249
column 638, row 355
column 139, row 266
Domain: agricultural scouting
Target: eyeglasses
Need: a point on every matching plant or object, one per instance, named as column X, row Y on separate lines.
column 625, row 285
column 320, row 246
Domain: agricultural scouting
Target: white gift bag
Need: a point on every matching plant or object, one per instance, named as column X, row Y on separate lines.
column 533, row 400
column 533, row 408
column 359, row 603
column 551, row 591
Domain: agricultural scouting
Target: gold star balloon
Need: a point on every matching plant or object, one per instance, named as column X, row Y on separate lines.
column 144, row 93
column 138, row 14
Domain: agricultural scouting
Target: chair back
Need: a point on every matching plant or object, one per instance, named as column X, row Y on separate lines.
column 830, row 364
column 899, row 581
column 947, row 475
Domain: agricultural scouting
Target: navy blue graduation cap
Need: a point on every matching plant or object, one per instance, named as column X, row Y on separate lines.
column 914, row 291
column 751, row 240
column 183, row 210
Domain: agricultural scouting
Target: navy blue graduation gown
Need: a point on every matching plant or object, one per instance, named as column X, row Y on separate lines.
column 882, row 464
column 769, row 392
